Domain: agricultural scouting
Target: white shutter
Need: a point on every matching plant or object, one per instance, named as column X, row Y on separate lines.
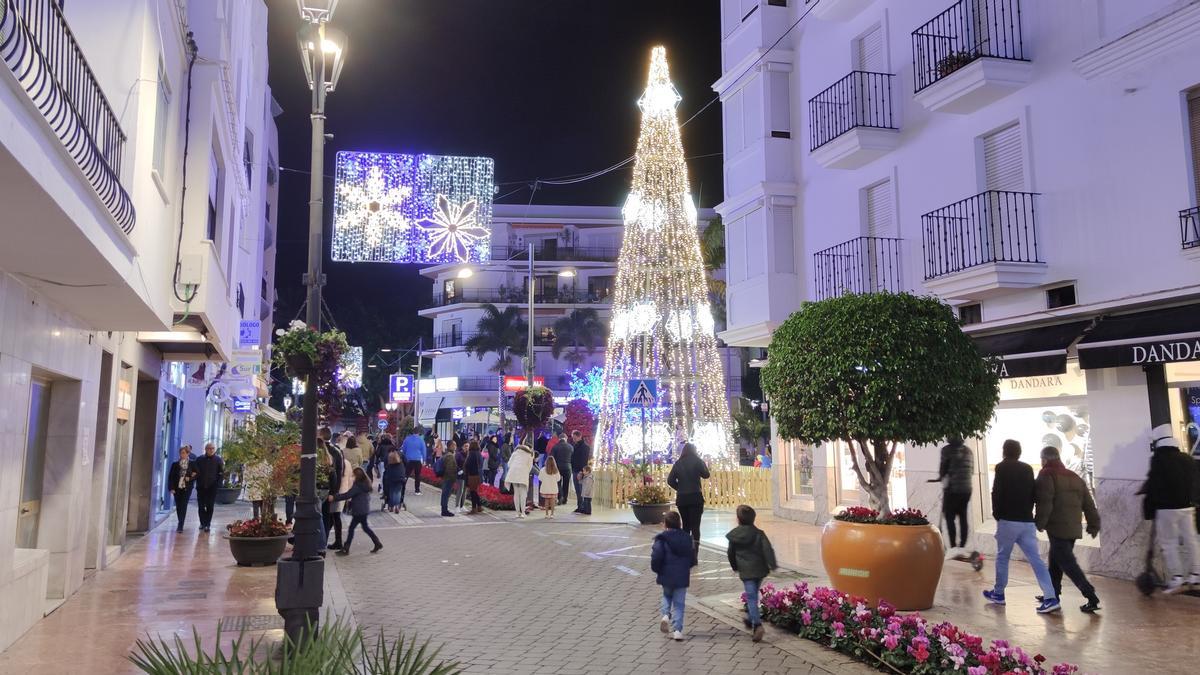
column 879, row 210
column 1003, row 163
column 1194, row 132
column 869, row 51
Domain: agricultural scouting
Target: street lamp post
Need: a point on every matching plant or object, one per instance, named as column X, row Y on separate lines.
column 300, row 579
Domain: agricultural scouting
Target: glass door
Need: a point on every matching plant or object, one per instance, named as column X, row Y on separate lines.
column 37, row 426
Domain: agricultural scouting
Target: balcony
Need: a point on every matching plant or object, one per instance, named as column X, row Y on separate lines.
column 970, row 55
column 550, row 251
column 851, row 123
column 40, row 50
column 1189, row 231
column 518, row 295
column 982, row 245
column 862, row 265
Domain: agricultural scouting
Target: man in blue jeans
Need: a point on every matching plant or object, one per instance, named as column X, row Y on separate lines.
column 1013, row 497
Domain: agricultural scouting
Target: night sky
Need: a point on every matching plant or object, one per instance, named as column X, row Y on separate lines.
column 545, row 87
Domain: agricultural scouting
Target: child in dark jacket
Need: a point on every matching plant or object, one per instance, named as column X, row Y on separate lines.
column 359, row 496
column 672, row 559
column 751, row 556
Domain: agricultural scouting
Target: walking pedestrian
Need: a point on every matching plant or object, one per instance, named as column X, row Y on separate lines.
column 394, row 481
column 520, row 465
column 379, row 459
column 339, row 482
column 359, row 496
column 506, row 450
column 181, row 479
column 1170, row 496
column 685, row 478
column 210, row 471
column 581, row 456
column 367, row 451
column 956, row 472
column 562, row 459
column 672, row 558
column 1013, row 495
column 549, row 477
column 473, row 470
column 1063, row 502
column 460, row 456
column 492, row 457
column 446, row 469
column 753, row 558
column 586, row 486
column 413, row 449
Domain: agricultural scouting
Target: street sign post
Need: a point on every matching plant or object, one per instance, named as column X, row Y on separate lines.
column 401, row 387
column 643, row 394
column 382, row 424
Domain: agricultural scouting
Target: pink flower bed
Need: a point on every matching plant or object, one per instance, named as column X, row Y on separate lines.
column 905, row 643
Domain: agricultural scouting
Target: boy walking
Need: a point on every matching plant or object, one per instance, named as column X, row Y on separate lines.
column 672, row 559
column 753, row 558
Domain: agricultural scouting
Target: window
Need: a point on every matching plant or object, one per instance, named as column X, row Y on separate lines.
column 880, row 212
column 800, row 464
column 162, row 108
column 868, row 51
column 1193, row 106
column 780, row 104
column 449, row 289
column 1003, row 160
column 785, row 248
column 214, row 194
column 600, row 287
column 1063, row 296
column 970, row 314
column 248, row 156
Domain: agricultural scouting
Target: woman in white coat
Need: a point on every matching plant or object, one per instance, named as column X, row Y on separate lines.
column 520, row 465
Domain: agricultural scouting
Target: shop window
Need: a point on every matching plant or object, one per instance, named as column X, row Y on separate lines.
column 970, row 314
column 800, row 469
column 849, row 492
column 1063, row 296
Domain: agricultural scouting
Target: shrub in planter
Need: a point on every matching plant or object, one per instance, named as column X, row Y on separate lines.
column 494, row 499
column 953, row 61
column 257, row 541
column 896, row 643
column 650, row 503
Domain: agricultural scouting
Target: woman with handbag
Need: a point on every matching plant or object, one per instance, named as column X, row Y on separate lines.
column 474, row 474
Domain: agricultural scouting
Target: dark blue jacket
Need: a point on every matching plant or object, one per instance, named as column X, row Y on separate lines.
column 360, row 499
column 394, row 476
column 673, row 558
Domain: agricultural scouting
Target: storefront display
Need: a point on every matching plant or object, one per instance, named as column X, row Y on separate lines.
column 849, row 493
column 800, row 469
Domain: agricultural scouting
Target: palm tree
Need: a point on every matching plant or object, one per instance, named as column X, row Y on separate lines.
column 578, row 332
column 501, row 333
column 712, row 249
column 751, row 427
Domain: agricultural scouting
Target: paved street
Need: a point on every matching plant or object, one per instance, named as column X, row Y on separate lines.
column 544, row 596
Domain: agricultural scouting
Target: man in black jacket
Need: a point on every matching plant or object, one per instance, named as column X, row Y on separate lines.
column 180, row 481
column 580, row 456
column 1170, row 496
column 1013, row 496
column 210, row 471
column 562, row 452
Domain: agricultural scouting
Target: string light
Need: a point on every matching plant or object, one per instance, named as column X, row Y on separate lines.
column 412, row 208
column 662, row 326
column 350, row 373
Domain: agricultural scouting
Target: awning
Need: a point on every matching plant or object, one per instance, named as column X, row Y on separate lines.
column 1157, row 336
column 429, row 408
column 1033, row 351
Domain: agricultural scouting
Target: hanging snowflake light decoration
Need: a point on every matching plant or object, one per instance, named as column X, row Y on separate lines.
column 453, row 230
column 375, row 207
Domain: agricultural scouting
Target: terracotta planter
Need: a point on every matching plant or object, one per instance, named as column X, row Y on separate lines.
column 256, row 551
column 897, row 563
column 228, row 495
column 650, row 514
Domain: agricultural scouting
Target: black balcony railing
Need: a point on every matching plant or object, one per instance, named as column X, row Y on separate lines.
column 451, row 339
column 40, row 50
column 518, row 295
column 860, row 99
column 555, row 252
column 969, row 30
column 1189, row 227
column 862, row 265
column 992, row 226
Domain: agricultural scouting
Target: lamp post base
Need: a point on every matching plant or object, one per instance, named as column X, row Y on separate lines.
column 299, row 586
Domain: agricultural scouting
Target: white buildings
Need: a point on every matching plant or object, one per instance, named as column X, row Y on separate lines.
column 109, row 276
column 575, row 254
column 1035, row 164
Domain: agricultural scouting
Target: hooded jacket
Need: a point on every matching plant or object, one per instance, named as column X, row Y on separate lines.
column 520, row 464
column 359, row 496
column 957, row 468
column 1171, row 483
column 1063, row 501
column 750, row 552
column 672, row 558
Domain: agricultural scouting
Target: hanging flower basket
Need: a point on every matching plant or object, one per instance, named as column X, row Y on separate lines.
column 298, row 364
column 303, row 351
column 533, row 406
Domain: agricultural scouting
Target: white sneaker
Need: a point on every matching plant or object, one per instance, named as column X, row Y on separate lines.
column 677, row 636
column 1175, row 585
column 665, row 624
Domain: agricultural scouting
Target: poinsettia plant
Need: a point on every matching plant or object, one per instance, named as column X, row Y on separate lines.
column 266, row 526
column 869, row 516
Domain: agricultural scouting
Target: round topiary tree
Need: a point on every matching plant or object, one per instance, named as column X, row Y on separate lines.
column 874, row 370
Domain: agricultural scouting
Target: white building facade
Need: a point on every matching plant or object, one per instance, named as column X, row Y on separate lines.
column 575, row 268
column 1035, row 165
column 108, row 283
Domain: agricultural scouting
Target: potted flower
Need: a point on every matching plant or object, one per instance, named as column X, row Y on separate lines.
column 268, row 450
column 953, row 61
column 873, row 371
column 650, row 503
column 231, row 484
column 302, row 350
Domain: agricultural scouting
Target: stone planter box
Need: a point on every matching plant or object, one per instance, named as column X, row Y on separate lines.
column 650, row 514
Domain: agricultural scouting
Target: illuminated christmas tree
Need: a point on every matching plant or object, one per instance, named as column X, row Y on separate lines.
column 662, row 326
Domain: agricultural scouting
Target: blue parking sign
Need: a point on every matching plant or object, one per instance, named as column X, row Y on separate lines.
column 401, row 387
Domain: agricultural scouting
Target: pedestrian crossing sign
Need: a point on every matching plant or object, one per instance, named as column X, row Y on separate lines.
column 643, row 393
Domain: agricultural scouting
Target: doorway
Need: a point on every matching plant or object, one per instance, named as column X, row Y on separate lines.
column 100, row 456
column 34, row 467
